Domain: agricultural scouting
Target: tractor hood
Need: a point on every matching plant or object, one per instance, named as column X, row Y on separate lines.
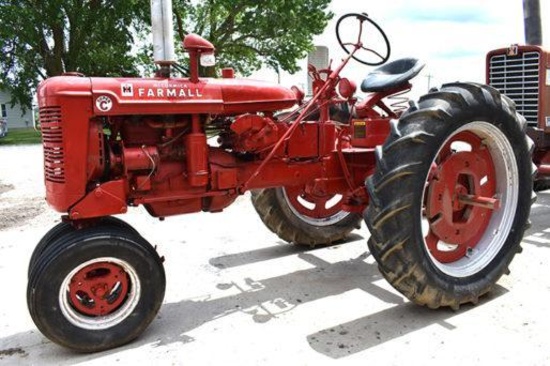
column 124, row 96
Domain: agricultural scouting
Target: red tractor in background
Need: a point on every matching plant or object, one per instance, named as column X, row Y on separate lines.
column 444, row 186
column 522, row 73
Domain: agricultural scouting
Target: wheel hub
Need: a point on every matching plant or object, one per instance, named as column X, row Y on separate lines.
column 98, row 288
column 460, row 199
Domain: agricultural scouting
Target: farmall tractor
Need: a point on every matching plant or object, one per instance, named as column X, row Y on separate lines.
column 444, row 186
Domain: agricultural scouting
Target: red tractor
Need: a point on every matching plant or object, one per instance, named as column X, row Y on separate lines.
column 444, row 186
column 522, row 73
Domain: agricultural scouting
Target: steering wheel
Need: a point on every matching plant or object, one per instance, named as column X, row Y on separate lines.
column 378, row 58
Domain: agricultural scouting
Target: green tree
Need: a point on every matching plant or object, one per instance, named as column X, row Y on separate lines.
column 250, row 33
column 40, row 39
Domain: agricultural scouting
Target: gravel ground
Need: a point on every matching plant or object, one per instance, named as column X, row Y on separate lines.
column 236, row 294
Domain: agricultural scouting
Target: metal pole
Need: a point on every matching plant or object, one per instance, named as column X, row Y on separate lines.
column 532, row 22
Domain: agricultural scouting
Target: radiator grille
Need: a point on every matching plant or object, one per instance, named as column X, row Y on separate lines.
column 52, row 139
column 518, row 78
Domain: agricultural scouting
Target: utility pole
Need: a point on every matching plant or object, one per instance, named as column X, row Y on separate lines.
column 429, row 77
column 532, row 22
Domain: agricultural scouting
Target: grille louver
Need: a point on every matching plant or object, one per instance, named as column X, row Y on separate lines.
column 52, row 139
column 517, row 77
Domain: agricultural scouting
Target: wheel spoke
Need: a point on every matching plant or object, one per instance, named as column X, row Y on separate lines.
column 444, row 153
column 470, row 138
column 373, row 51
column 313, row 208
column 431, row 242
column 320, row 210
column 444, row 252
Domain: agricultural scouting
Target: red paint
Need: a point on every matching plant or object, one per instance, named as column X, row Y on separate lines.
column 156, row 151
column 197, row 43
column 105, row 199
column 141, row 158
column 347, row 88
column 543, row 84
column 316, row 206
column 197, row 159
column 228, row 73
column 369, row 133
column 458, row 205
column 253, row 133
column 99, row 288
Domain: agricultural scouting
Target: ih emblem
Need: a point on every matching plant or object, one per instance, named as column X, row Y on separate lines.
column 512, row 50
column 127, row 90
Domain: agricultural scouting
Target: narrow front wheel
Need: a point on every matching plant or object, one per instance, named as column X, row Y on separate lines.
column 95, row 288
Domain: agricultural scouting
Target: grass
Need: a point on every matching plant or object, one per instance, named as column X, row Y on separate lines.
column 21, row 136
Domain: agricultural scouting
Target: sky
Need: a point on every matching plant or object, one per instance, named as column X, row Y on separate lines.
column 451, row 37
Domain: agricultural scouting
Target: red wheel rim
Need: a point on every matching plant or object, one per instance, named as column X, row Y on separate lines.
column 313, row 206
column 460, row 197
column 98, row 289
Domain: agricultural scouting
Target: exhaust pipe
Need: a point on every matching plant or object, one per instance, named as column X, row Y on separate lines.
column 163, row 33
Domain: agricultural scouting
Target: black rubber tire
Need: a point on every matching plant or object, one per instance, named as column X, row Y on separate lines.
column 397, row 187
column 64, row 228
column 55, row 232
column 72, row 250
column 541, row 185
column 275, row 212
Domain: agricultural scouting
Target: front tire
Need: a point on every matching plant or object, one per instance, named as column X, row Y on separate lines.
column 451, row 195
column 66, row 228
column 96, row 288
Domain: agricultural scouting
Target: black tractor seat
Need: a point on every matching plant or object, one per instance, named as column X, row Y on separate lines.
column 392, row 75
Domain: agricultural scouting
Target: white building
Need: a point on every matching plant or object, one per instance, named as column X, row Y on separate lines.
column 14, row 115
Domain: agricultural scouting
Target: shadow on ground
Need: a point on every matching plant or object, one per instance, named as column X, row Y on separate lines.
column 265, row 300
column 539, row 233
column 378, row 328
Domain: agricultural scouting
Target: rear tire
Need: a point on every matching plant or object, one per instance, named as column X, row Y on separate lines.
column 435, row 240
column 304, row 223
